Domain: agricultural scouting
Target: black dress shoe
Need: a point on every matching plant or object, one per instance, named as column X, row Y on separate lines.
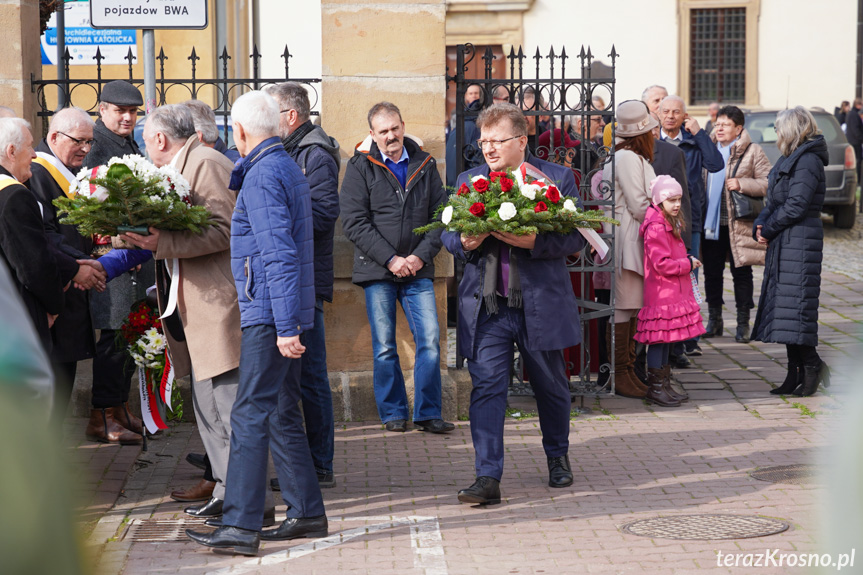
column 326, row 479
column 212, row 508
column 679, row 361
column 397, row 425
column 199, row 460
column 434, row 426
column 484, row 491
column 297, row 528
column 559, row 472
column 242, row 541
column 269, row 519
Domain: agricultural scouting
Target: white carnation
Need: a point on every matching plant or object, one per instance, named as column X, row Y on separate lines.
column 569, row 205
column 446, row 216
column 529, row 191
column 507, row 211
column 477, row 178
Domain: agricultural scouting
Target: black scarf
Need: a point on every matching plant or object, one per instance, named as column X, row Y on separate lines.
column 489, row 284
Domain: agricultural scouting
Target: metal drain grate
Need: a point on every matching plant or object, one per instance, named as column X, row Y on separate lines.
column 162, row 530
column 705, row 527
column 800, row 474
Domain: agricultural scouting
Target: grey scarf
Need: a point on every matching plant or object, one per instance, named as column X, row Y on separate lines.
column 489, row 285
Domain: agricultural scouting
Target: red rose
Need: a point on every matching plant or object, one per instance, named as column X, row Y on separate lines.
column 478, row 209
column 506, row 184
column 481, row 186
column 463, row 190
column 540, row 207
column 493, row 176
column 553, row 194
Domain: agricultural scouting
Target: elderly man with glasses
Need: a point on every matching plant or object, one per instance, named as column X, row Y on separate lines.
column 515, row 290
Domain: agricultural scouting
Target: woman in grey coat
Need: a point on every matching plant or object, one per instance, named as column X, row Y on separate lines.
column 790, row 226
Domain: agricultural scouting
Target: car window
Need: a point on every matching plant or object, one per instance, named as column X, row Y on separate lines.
column 764, row 125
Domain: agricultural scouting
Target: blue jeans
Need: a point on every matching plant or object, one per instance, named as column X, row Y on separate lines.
column 418, row 302
column 266, row 414
column 317, row 397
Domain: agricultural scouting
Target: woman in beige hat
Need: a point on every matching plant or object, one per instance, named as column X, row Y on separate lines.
column 632, row 176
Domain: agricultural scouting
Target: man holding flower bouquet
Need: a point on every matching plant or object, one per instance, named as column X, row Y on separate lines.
column 515, row 289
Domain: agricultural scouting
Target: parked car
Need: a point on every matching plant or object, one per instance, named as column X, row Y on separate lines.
column 138, row 134
column 840, row 173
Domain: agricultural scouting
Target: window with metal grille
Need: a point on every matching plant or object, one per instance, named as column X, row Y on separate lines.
column 718, row 65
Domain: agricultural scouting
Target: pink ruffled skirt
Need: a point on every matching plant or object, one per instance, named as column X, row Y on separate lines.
column 669, row 323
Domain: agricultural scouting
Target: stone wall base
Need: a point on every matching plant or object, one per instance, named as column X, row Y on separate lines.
column 353, row 394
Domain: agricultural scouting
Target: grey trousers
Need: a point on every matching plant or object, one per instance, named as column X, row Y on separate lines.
column 213, row 400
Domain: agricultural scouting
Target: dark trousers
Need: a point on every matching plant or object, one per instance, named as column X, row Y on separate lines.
column 266, row 415
column 112, row 372
column 657, row 355
column 715, row 253
column 491, row 375
column 64, row 382
column 802, row 355
column 317, row 397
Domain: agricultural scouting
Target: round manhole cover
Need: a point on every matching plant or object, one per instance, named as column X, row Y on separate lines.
column 794, row 474
column 705, row 527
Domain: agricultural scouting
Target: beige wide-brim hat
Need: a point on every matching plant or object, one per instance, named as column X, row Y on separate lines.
column 634, row 119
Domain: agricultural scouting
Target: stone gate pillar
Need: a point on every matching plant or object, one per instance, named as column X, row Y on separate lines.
column 20, row 57
column 394, row 51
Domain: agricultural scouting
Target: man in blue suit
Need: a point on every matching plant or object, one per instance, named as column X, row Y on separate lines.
column 533, row 308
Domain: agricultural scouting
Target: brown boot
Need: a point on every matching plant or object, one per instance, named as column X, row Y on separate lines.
column 656, row 392
column 626, row 384
column 202, row 491
column 680, row 396
column 104, row 429
column 124, row 417
column 639, row 360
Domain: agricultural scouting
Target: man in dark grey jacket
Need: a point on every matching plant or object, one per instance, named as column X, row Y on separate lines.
column 392, row 186
column 112, row 371
column 317, row 155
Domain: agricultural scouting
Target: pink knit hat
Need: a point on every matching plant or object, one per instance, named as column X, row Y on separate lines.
column 663, row 188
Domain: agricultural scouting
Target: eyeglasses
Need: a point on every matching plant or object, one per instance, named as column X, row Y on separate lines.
column 78, row 142
column 493, row 143
column 725, row 125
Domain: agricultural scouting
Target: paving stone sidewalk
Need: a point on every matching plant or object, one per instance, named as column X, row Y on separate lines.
column 394, row 509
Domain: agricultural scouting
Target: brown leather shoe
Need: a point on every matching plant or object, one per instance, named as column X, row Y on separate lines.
column 124, row 417
column 104, row 429
column 202, row 491
column 680, row 396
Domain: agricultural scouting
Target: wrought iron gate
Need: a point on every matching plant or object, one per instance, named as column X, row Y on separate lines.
column 561, row 105
column 85, row 92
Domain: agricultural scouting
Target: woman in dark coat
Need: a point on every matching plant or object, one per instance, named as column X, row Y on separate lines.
column 790, row 225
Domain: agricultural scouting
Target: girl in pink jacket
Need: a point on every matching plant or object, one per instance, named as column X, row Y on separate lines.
column 670, row 313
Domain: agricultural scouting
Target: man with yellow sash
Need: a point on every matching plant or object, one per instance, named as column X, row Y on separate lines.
column 58, row 158
column 39, row 270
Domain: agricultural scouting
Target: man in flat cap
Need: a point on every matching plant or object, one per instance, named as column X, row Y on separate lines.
column 118, row 111
column 112, row 372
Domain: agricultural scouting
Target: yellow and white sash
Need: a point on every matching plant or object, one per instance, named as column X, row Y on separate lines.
column 6, row 181
column 58, row 171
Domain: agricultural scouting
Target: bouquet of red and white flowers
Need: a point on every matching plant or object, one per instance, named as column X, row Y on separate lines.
column 130, row 194
column 145, row 341
column 521, row 202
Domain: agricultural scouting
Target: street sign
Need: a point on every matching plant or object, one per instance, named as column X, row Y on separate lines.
column 148, row 14
column 82, row 40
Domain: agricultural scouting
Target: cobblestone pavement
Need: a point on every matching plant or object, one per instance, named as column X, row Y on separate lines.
column 394, row 509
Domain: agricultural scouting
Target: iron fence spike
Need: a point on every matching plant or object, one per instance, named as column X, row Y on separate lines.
column 563, row 55
column 520, row 53
column 224, row 55
column 98, row 57
column 581, row 54
column 551, row 56
column 161, row 57
column 194, row 56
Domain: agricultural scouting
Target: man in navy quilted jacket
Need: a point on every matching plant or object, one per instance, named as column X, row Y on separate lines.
column 272, row 263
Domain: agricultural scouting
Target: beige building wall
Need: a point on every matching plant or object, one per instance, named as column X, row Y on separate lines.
column 391, row 51
column 20, row 57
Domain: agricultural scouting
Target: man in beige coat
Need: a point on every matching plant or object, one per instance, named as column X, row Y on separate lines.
column 205, row 342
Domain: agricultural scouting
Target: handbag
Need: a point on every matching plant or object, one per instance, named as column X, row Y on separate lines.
column 745, row 207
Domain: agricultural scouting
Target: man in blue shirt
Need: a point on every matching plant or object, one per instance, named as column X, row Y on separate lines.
column 392, row 186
